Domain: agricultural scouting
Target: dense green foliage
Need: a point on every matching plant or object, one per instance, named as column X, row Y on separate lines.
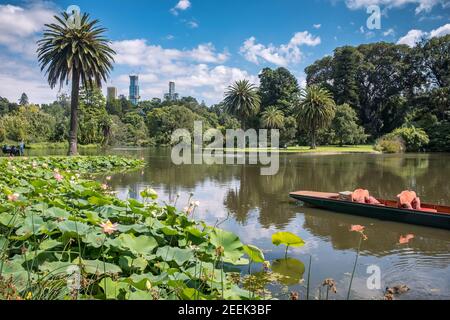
column 415, row 139
column 53, row 220
column 345, row 128
column 390, row 145
column 377, row 88
column 392, row 85
column 273, row 118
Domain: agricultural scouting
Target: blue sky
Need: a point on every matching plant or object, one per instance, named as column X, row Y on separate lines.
column 204, row 45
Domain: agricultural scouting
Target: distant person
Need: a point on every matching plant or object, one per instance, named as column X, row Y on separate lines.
column 21, row 148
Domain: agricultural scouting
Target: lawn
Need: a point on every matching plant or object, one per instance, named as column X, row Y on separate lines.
column 319, row 150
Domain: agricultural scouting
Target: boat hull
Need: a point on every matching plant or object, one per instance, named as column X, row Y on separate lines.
column 435, row 220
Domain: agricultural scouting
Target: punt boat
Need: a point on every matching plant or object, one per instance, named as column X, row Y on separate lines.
column 435, row 216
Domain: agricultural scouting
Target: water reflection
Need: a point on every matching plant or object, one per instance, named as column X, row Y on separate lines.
column 259, row 205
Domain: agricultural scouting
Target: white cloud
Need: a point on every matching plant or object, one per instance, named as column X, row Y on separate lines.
column 198, row 72
column 389, row 32
column 182, row 5
column 414, row 36
column 317, row 26
column 192, row 24
column 282, row 55
column 441, row 31
column 422, row 5
column 201, row 81
column 19, row 27
column 18, row 76
column 138, row 53
column 19, row 72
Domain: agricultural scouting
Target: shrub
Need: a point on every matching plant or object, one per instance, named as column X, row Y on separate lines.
column 439, row 137
column 415, row 139
column 390, row 145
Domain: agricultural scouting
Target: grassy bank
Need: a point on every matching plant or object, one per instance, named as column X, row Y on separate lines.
column 56, row 223
column 319, row 150
column 49, row 145
column 59, row 145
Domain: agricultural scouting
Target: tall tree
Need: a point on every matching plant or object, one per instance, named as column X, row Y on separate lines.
column 242, row 100
column 345, row 126
column 316, row 111
column 435, row 60
column 382, row 75
column 278, row 88
column 76, row 52
column 23, row 101
column 321, row 73
column 345, row 68
column 4, row 106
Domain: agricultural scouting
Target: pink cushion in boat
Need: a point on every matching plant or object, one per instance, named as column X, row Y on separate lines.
column 428, row 210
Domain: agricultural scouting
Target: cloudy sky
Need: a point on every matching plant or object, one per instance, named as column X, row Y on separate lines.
column 204, row 45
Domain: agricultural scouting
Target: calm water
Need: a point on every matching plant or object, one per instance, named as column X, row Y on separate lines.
column 254, row 207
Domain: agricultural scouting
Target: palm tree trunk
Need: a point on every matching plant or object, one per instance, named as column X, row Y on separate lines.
column 73, row 148
column 313, row 139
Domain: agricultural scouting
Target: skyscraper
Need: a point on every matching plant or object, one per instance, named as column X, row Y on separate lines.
column 111, row 93
column 134, row 89
column 172, row 95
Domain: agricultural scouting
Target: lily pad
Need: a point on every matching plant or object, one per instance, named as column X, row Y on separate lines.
column 180, row 256
column 139, row 245
column 254, row 253
column 288, row 239
column 290, row 269
column 232, row 246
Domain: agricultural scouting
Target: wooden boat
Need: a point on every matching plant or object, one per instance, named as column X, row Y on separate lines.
column 388, row 210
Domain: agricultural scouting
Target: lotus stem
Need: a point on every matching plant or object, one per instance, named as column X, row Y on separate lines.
column 309, row 277
column 354, row 267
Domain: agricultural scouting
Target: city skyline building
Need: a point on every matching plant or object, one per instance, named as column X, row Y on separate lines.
column 172, row 95
column 134, row 89
column 111, row 93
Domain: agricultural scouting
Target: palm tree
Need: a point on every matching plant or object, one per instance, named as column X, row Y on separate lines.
column 273, row 118
column 316, row 110
column 77, row 53
column 242, row 100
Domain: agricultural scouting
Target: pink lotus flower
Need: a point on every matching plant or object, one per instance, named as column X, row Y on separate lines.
column 109, row 227
column 104, row 186
column 406, row 239
column 13, row 197
column 58, row 177
column 357, row 228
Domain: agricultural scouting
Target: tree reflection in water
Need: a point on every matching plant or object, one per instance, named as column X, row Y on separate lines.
column 259, row 205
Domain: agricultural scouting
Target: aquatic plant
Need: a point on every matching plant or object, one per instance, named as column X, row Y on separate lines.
column 69, row 238
column 360, row 229
column 288, row 239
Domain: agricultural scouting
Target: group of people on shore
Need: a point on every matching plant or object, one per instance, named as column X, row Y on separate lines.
column 15, row 151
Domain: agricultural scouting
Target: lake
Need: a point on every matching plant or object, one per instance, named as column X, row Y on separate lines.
column 253, row 206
